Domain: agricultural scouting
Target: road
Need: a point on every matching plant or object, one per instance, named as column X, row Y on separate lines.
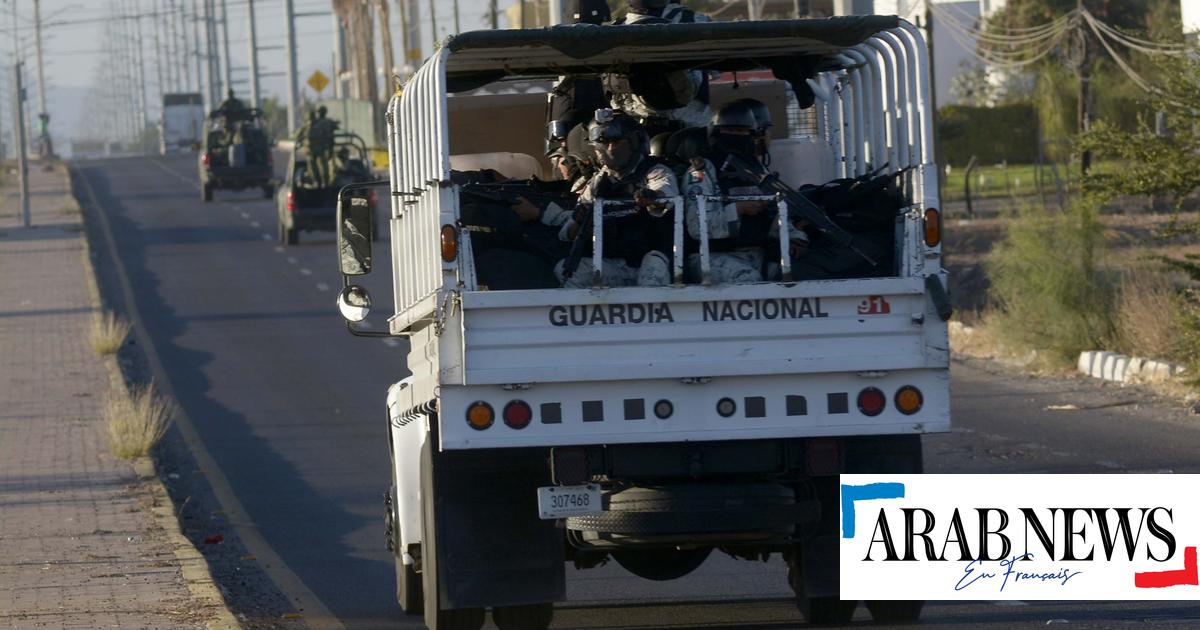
column 281, row 414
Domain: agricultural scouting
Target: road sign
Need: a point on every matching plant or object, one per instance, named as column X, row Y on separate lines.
column 318, row 81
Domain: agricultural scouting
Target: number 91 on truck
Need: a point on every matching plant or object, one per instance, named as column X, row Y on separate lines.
column 653, row 424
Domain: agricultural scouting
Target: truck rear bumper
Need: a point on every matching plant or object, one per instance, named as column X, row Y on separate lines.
column 720, row 408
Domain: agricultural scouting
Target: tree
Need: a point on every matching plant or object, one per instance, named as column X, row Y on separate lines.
column 972, row 85
column 1153, row 164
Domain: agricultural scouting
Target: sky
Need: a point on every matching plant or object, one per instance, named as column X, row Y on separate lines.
column 74, row 31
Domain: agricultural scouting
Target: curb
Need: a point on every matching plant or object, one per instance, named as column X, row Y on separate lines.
column 1119, row 368
column 192, row 564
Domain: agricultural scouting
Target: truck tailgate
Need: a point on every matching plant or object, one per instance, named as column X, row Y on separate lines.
column 559, row 335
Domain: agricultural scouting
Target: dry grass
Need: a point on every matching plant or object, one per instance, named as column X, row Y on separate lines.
column 107, row 333
column 1149, row 322
column 136, row 421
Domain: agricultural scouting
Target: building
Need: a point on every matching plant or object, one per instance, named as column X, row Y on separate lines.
column 1190, row 10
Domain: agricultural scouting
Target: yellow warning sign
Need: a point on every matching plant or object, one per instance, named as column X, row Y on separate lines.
column 318, row 81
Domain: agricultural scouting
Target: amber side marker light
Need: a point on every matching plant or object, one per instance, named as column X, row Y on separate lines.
column 909, row 400
column 480, row 415
column 933, row 227
column 449, row 243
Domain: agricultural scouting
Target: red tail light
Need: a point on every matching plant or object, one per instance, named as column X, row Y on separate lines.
column 517, row 414
column 871, row 401
column 291, row 201
column 206, row 160
column 372, row 199
column 270, row 159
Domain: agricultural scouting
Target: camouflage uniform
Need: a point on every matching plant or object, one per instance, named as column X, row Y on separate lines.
column 654, row 268
column 742, row 263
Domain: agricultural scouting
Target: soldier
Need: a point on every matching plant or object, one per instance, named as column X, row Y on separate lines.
column 320, row 147
column 573, row 96
column 636, row 238
column 740, row 231
column 663, row 100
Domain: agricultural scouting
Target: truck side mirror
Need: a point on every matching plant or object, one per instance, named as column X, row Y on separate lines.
column 355, row 229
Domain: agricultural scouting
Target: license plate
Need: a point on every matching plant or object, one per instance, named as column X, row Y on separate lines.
column 562, row 501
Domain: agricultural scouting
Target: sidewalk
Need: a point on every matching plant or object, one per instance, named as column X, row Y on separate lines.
column 86, row 541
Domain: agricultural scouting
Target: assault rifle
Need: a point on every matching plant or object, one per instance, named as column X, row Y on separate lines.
column 798, row 205
column 536, row 191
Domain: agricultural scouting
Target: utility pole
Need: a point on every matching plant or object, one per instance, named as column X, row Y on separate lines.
column 433, row 19
column 175, row 53
column 159, row 57
column 141, row 73
column 44, row 146
column 195, row 52
column 1083, row 94
column 494, row 13
column 19, row 122
column 228, row 60
column 179, row 39
column 553, row 5
column 209, row 104
column 293, row 104
column 339, row 56
column 253, row 54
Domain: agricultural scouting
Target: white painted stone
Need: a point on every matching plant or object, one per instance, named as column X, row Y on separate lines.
column 1120, row 365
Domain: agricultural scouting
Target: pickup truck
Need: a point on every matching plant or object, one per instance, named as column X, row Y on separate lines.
column 236, row 154
column 649, row 425
column 304, row 204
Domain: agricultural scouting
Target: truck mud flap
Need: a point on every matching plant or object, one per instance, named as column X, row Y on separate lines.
column 492, row 548
column 941, row 299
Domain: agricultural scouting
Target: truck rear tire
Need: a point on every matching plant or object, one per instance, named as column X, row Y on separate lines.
column 526, row 617
column 895, row 611
column 437, row 618
column 408, row 581
column 287, row 236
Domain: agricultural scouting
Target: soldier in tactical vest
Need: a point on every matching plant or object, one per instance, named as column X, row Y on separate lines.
column 662, row 100
column 320, row 148
column 739, row 232
column 637, row 237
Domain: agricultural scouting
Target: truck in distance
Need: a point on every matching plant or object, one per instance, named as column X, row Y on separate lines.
column 236, row 153
column 303, row 203
column 182, row 123
column 653, row 425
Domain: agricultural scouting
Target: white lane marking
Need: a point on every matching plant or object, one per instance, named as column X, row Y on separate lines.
column 254, row 224
column 292, row 260
column 1015, row 602
column 306, row 272
column 388, row 341
column 321, row 286
column 279, row 249
column 267, row 237
column 245, row 215
column 1110, row 465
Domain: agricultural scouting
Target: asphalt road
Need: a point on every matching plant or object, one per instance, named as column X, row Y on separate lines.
column 283, row 414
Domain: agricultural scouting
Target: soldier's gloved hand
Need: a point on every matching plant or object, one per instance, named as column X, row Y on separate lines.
column 526, row 211
column 580, row 213
column 650, row 200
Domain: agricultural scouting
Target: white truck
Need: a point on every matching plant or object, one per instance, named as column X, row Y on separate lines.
column 182, row 124
column 650, row 425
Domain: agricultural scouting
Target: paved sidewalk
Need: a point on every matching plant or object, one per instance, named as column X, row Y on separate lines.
column 80, row 544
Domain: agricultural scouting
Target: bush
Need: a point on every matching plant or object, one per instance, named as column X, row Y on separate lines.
column 1045, row 281
column 992, row 134
column 135, row 421
column 107, row 333
column 1151, row 320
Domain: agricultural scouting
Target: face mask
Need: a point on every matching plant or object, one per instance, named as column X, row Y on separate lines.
column 743, row 145
column 617, row 155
